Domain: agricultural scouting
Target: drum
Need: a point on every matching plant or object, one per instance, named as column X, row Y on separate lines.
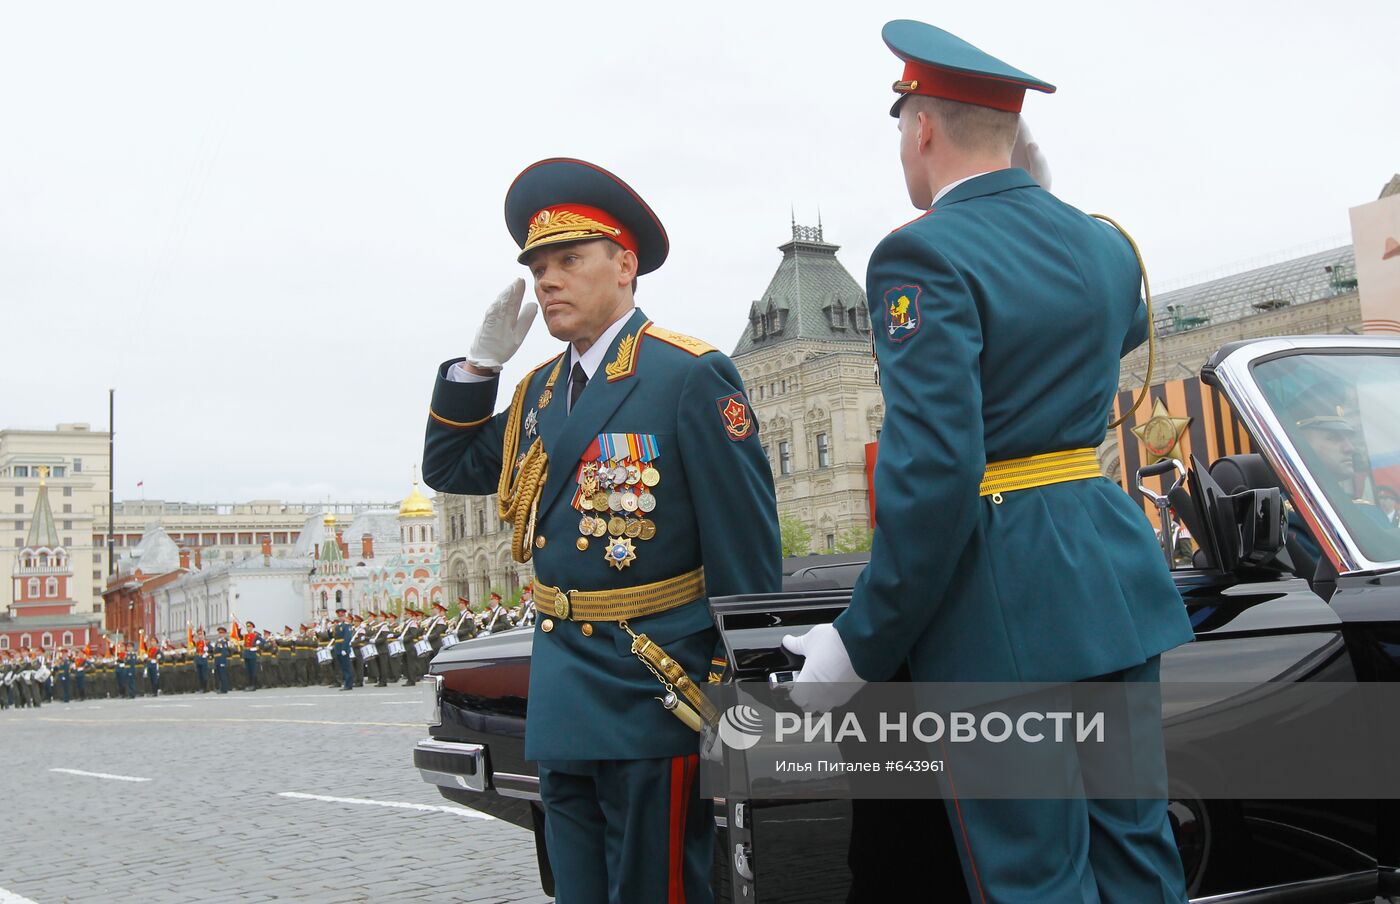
column 367, row 651
column 395, row 647
column 423, row 647
column 448, row 640
column 323, row 655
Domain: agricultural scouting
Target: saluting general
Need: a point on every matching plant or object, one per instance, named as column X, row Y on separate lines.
column 1000, row 553
column 630, row 468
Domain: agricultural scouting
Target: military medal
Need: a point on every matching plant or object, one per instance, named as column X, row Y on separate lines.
column 585, row 525
column 634, row 475
column 629, row 502
column 548, row 394
column 615, row 501
column 616, row 526
column 600, row 501
column 646, row 528
column 619, row 553
column 646, row 502
column 633, row 529
column 600, row 527
column 532, row 422
column 650, row 476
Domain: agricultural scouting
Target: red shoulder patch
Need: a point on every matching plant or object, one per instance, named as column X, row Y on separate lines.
column 737, row 416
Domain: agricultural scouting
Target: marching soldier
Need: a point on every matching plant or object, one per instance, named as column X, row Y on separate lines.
column 286, row 657
column 326, row 670
column 153, row 657
column 465, row 628
column 267, row 659
column 252, row 646
column 341, row 650
column 995, row 408
column 373, row 670
column 201, row 661
column 610, row 457
column 496, row 618
column 412, row 633
column 436, row 627
column 63, row 674
column 306, row 656
column 221, row 650
column 357, row 643
column 120, row 669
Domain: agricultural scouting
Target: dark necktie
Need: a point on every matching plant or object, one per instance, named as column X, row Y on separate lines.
column 577, row 380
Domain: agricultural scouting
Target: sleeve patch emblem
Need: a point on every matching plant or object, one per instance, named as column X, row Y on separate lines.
column 902, row 312
column 738, row 419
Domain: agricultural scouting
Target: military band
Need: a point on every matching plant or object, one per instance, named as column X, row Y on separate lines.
column 381, row 648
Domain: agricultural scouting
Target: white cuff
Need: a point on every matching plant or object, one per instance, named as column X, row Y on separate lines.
column 459, row 374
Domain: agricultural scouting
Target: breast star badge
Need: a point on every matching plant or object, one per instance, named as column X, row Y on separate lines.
column 1161, row 434
column 619, row 552
column 532, row 422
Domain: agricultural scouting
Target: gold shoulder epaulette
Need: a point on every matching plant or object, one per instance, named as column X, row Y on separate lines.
column 696, row 347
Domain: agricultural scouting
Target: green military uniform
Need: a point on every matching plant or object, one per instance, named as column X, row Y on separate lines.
column 342, row 633
column 220, row 650
column 999, row 319
column 660, row 441
column 268, row 665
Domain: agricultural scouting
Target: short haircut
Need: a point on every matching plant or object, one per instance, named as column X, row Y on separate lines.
column 969, row 126
column 612, row 248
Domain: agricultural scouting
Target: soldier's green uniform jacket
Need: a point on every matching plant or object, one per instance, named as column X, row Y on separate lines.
column 1054, row 583
column 590, row 698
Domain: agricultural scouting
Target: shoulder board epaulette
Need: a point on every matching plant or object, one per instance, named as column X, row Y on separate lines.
column 696, row 347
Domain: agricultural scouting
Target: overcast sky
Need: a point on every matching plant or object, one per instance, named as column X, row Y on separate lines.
column 266, row 223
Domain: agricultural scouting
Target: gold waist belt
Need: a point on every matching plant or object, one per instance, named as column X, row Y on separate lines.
column 1038, row 471
column 620, row 605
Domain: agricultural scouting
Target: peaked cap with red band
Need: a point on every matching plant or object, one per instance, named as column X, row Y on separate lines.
column 939, row 64
column 565, row 200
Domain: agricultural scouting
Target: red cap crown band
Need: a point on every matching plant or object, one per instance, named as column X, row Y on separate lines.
column 969, row 89
column 575, row 223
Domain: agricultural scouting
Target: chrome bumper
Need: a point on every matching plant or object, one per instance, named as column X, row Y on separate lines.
column 452, row 764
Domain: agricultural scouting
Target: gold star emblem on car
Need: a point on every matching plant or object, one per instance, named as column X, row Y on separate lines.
column 1161, row 434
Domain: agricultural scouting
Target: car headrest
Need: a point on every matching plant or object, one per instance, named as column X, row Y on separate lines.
column 1237, row 473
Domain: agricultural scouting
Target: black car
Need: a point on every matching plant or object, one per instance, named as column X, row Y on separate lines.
column 1295, row 577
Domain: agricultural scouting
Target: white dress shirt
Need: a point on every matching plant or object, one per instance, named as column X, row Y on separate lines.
column 952, row 185
column 589, row 360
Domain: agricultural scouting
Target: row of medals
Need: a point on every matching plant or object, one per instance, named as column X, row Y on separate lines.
column 611, row 495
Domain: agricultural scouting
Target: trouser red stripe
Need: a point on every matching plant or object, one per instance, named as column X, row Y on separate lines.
column 682, row 777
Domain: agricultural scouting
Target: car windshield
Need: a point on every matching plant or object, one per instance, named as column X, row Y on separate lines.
column 1341, row 412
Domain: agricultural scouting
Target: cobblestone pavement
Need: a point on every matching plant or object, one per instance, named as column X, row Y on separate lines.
column 233, row 804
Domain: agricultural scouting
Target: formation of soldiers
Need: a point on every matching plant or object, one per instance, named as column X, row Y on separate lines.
column 384, row 648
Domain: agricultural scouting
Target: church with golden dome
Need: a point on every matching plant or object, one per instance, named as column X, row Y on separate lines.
column 411, row 576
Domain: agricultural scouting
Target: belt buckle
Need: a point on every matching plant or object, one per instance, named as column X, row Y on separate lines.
column 561, row 604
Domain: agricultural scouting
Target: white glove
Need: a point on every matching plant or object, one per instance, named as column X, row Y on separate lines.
column 827, row 679
column 503, row 328
column 1026, row 154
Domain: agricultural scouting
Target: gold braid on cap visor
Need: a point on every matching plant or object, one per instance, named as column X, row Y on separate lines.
column 550, row 226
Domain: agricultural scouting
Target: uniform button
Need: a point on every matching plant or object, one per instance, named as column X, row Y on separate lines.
column 539, row 542
column 587, row 629
column 581, row 543
column 547, row 625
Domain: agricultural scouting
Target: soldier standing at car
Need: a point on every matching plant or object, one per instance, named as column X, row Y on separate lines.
column 610, row 457
column 1000, row 316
